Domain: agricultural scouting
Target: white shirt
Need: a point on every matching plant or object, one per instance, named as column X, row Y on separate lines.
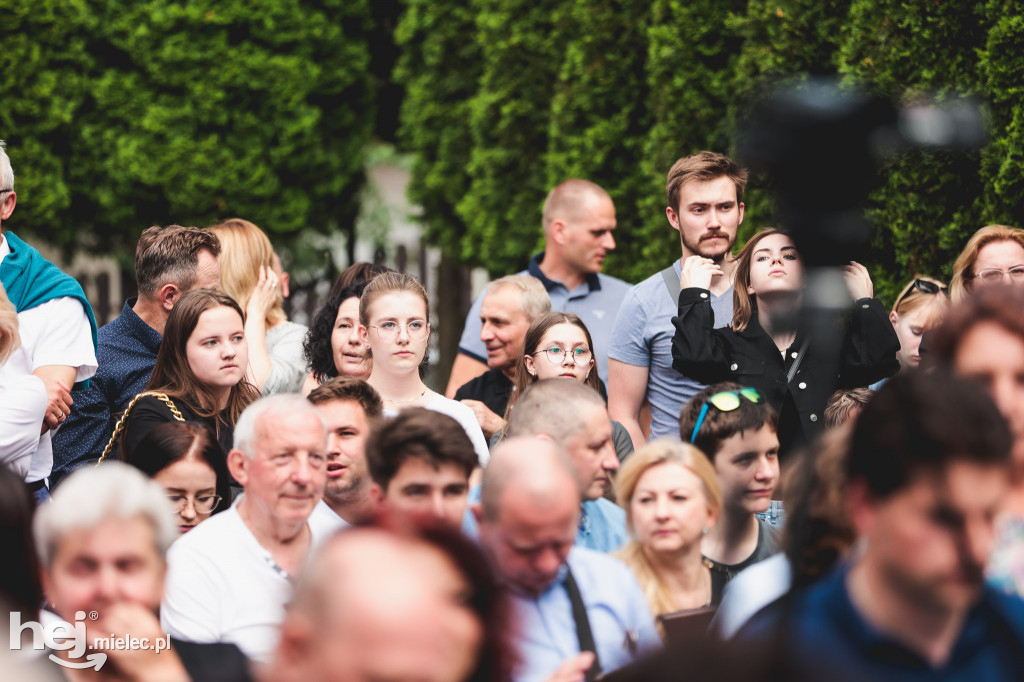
column 750, row 591
column 324, row 521
column 57, row 332
column 461, row 414
column 23, row 403
column 223, row 586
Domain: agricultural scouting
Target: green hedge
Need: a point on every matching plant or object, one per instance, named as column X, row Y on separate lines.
column 616, row 90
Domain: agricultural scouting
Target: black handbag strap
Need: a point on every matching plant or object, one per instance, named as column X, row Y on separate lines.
column 583, row 631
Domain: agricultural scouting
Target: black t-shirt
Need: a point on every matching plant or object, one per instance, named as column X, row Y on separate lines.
column 492, row 388
column 767, row 545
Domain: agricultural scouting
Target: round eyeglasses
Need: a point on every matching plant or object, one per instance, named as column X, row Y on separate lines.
column 388, row 331
column 556, row 355
column 204, row 504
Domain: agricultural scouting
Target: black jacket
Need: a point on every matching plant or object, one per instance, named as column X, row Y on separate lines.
column 750, row 358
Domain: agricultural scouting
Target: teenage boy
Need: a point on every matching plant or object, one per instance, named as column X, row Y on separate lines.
column 420, row 462
column 736, row 428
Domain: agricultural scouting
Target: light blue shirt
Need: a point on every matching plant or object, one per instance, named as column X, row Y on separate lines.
column 596, row 302
column 642, row 336
column 602, row 523
column 619, row 618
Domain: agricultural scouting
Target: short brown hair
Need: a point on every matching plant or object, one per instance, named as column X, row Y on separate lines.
column 703, row 167
column 719, row 426
column 963, row 268
column 171, row 254
column 349, row 388
column 843, row 402
column 417, row 433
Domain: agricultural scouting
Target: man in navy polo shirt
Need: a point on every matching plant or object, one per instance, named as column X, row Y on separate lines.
column 578, row 219
column 927, row 474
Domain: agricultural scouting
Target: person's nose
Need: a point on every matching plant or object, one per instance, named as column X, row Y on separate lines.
column 403, row 333
column 333, row 444
column 486, row 332
column 1003, row 394
column 437, row 504
column 977, row 542
column 302, row 473
column 108, row 583
column 567, row 359
column 608, row 241
column 188, row 513
column 609, row 461
column 661, row 508
column 766, row 469
column 227, row 350
column 548, row 561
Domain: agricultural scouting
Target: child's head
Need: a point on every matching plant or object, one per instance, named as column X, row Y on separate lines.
column 736, row 428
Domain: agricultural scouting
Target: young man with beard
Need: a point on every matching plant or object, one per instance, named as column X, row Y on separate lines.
column 705, row 207
column 349, row 406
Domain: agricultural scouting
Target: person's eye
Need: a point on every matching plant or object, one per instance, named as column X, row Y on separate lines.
column 344, row 325
column 176, row 499
column 556, row 350
column 680, row 498
column 697, row 210
column 725, row 207
column 388, row 325
column 761, row 258
column 209, row 343
column 772, row 454
column 1017, row 272
column 417, row 325
column 205, row 499
column 238, row 338
column 790, row 256
column 580, row 352
column 645, row 500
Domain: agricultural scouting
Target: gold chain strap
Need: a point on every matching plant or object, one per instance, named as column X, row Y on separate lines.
column 123, row 421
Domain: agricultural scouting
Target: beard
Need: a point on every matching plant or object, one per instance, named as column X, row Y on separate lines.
column 715, row 249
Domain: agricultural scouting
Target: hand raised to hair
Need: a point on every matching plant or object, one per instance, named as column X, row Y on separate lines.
column 264, row 295
column 858, row 281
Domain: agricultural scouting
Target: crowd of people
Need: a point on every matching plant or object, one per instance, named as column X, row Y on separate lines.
column 678, row 478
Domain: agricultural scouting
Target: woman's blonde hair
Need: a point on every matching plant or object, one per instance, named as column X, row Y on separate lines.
column 661, row 451
column 389, row 283
column 10, row 340
column 244, row 248
column 963, row 268
column 912, row 299
column 742, row 303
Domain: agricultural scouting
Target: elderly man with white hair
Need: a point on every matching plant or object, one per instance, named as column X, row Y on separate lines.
column 102, row 544
column 229, row 579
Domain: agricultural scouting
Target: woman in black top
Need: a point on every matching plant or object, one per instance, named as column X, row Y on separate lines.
column 795, row 376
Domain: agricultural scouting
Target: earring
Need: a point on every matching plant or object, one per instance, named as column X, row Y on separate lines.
column 705, row 530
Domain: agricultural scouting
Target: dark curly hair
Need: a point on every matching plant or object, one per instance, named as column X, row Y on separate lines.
column 317, row 345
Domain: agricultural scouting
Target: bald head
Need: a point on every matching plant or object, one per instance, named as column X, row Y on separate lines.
column 555, row 408
column 533, row 469
column 570, row 200
column 376, row 605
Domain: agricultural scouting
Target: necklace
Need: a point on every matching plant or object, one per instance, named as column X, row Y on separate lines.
column 406, row 402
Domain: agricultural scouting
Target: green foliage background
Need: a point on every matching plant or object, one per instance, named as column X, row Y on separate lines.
column 616, row 90
column 120, row 115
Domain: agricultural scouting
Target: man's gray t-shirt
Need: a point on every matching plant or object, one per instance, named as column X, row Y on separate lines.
column 596, row 302
column 642, row 336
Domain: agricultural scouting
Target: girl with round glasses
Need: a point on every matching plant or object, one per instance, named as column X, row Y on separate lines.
column 558, row 344
column 394, row 326
column 795, row 375
column 185, row 459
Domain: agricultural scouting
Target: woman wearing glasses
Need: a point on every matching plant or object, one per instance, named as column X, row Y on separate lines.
column 558, row 344
column 994, row 255
column 186, row 460
column 795, row 375
column 394, row 326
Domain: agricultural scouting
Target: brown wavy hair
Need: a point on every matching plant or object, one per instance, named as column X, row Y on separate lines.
column 742, row 304
column 172, row 374
column 532, row 339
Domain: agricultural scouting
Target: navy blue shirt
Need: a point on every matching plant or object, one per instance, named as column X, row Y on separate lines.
column 821, row 626
column 126, row 355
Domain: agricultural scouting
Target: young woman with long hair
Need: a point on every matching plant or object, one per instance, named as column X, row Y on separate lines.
column 394, row 325
column 247, row 275
column 796, row 376
column 558, row 344
column 200, row 369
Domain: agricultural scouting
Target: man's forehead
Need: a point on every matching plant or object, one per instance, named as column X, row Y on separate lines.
column 290, row 430
column 502, row 301
column 718, row 190
column 342, row 411
column 113, row 538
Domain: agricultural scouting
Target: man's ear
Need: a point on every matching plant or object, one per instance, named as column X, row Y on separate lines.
column 673, row 219
column 860, row 506
column 7, row 206
column 168, row 295
column 558, row 228
column 377, row 496
column 238, row 465
column 477, row 510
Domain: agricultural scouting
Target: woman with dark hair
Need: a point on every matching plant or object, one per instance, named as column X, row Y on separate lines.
column 333, row 346
column 796, row 377
column 186, row 460
column 558, row 344
column 199, row 374
column 20, row 586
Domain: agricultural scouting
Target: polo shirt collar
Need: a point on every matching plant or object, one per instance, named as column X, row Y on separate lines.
column 592, row 279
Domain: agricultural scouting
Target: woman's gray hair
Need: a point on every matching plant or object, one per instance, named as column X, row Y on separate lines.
column 94, row 494
column 6, row 172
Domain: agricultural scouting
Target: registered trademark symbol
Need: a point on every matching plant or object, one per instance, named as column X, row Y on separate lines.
column 93, row 615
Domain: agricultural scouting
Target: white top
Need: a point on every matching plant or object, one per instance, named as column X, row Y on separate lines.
column 57, row 332
column 23, row 403
column 223, row 586
column 461, row 414
column 324, row 521
column 287, row 363
column 750, row 591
